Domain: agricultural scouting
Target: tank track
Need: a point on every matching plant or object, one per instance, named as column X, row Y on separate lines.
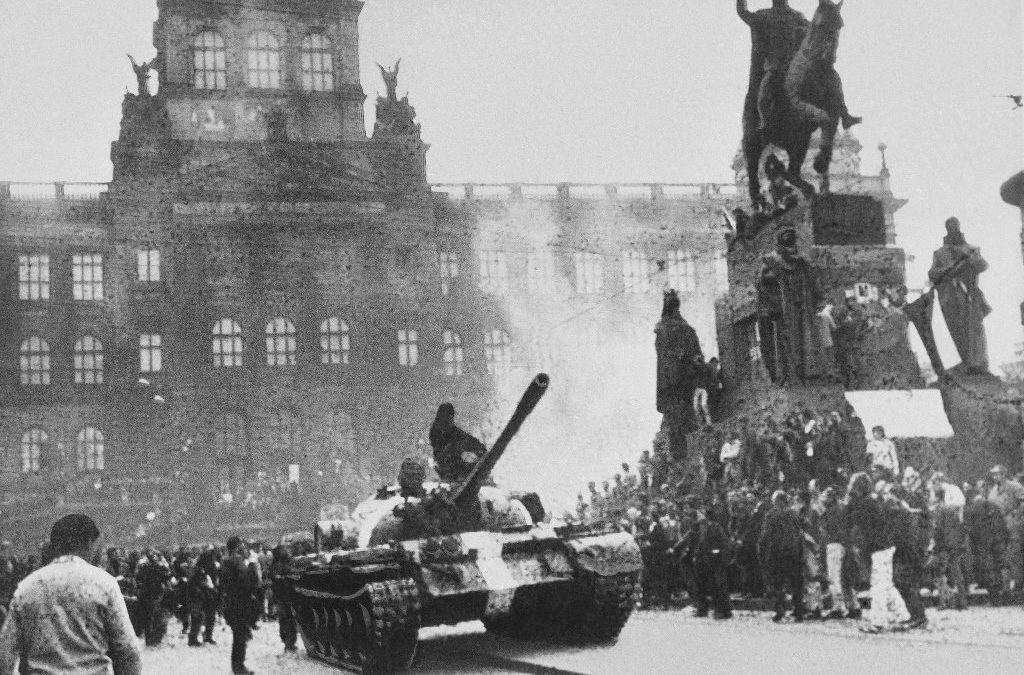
column 603, row 615
column 596, row 610
column 373, row 631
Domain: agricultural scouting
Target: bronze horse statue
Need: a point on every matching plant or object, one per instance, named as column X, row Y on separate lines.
column 811, row 98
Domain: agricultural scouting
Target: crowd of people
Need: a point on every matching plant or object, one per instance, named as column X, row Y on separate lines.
column 809, row 514
column 240, row 584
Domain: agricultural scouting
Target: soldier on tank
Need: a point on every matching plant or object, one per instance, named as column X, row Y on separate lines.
column 455, row 451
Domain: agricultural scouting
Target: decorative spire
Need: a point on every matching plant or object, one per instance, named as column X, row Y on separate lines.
column 882, row 147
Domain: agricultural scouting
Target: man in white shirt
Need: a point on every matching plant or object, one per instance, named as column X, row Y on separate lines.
column 730, row 457
column 882, row 452
column 69, row 617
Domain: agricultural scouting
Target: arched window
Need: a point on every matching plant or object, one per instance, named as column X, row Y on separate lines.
column 32, row 442
column 35, row 362
column 264, row 61
column 90, row 449
column 209, row 61
column 497, row 351
column 453, row 356
column 334, row 342
column 317, row 63
column 88, row 361
column 227, row 344
column 280, row 342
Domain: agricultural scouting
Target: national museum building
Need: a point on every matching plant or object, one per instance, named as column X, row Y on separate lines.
column 264, row 307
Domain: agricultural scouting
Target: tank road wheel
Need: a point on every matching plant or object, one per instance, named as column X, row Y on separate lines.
column 390, row 616
column 600, row 607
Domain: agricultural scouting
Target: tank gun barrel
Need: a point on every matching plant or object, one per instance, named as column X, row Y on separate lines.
column 471, row 486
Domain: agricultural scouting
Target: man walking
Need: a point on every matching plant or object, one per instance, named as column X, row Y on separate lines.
column 780, row 550
column 69, row 617
column 1008, row 495
column 240, row 584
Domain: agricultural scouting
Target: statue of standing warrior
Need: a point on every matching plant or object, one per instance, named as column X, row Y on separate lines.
column 954, row 273
column 141, row 74
column 678, row 349
column 787, row 298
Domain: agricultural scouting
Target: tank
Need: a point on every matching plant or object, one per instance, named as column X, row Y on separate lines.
column 460, row 553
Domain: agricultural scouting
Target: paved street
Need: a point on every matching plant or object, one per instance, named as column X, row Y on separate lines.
column 980, row 640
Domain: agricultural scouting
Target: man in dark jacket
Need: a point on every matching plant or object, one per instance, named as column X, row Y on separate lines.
column 874, row 531
column 708, row 551
column 908, row 560
column 282, row 597
column 240, row 583
column 986, row 530
column 203, row 598
column 455, row 451
column 950, row 545
column 836, row 530
column 780, row 550
column 152, row 576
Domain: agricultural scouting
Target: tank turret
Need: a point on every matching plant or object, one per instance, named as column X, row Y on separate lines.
column 458, row 508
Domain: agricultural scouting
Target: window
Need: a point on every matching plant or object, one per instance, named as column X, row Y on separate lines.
column 453, row 356
column 149, row 265
column 317, row 63
column 408, row 348
column 493, row 272
column 209, row 61
column 449, row 263
column 497, row 351
column 87, row 276
column 35, row 362
column 280, row 343
column 334, row 342
column 589, row 272
column 88, row 361
column 540, row 271
column 264, row 62
column 151, row 353
column 227, row 344
column 33, row 277
column 636, row 272
column 32, row 442
column 90, row 449
column 231, row 437
column 721, row 274
column 682, row 271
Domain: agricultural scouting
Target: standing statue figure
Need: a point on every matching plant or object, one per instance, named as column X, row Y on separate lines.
column 794, row 90
column 391, row 80
column 787, row 300
column 954, row 273
column 142, row 74
column 678, row 350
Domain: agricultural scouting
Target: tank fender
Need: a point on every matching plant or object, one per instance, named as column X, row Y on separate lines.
column 606, row 555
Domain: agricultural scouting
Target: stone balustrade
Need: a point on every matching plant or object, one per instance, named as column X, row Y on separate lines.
column 38, row 192
column 585, row 191
column 17, row 191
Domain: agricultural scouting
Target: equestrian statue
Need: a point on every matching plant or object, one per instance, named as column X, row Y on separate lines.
column 794, row 90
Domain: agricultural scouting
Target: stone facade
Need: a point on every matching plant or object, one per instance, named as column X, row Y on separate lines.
column 276, row 302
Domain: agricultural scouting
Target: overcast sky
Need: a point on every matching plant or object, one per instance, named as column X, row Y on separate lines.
column 596, row 90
